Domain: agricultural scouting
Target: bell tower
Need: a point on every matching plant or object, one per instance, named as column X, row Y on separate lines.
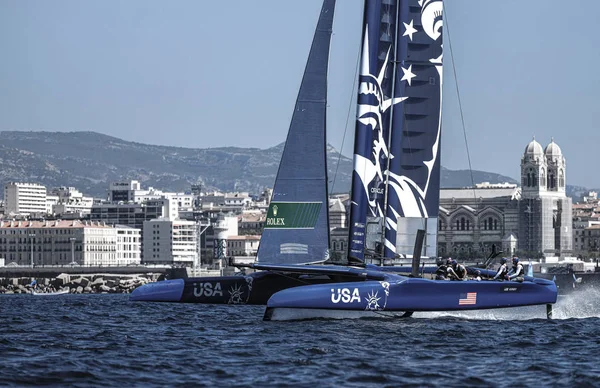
column 556, row 169
column 545, row 222
column 534, row 170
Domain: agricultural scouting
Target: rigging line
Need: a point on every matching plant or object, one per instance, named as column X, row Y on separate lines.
column 337, row 166
column 462, row 117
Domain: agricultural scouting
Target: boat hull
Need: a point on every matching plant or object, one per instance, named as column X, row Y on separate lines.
column 255, row 288
column 414, row 294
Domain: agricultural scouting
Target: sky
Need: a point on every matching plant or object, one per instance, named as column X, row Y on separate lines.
column 200, row 73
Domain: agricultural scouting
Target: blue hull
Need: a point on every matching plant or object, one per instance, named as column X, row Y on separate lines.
column 255, row 288
column 398, row 293
column 338, row 288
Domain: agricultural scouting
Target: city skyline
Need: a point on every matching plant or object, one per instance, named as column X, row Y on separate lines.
column 168, row 74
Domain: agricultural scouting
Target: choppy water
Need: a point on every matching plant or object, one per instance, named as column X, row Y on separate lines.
column 105, row 340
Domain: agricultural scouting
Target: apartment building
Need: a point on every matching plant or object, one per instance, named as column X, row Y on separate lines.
column 63, row 242
column 168, row 241
column 24, row 198
column 131, row 214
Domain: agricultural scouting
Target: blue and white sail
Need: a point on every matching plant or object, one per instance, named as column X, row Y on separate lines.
column 396, row 176
column 297, row 224
column 414, row 174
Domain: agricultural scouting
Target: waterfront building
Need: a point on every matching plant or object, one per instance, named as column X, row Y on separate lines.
column 183, row 201
column 69, row 200
column 131, row 192
column 586, row 220
column 252, row 221
column 246, row 245
column 25, row 198
column 123, row 191
column 338, row 243
column 170, row 241
column 51, row 202
column 227, row 202
column 534, row 219
column 62, row 242
column 545, row 211
column 222, row 226
column 337, row 213
column 132, row 214
column 338, row 226
column 473, row 221
column 592, row 240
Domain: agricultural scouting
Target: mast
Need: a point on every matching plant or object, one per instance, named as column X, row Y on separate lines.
column 387, row 176
column 372, row 135
column 367, row 177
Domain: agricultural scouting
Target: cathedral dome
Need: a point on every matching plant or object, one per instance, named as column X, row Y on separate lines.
column 534, row 149
column 553, row 149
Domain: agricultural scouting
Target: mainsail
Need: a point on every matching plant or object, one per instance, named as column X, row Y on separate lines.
column 395, row 188
column 297, row 225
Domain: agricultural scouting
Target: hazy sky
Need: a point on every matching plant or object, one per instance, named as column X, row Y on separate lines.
column 203, row 73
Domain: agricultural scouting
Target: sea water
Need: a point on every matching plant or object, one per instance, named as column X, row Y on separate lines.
column 105, row 340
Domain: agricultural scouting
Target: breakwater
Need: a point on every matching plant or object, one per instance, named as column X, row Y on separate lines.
column 101, row 283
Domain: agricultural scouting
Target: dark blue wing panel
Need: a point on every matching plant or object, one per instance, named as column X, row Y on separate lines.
column 397, row 173
column 297, row 227
column 414, row 184
column 372, row 125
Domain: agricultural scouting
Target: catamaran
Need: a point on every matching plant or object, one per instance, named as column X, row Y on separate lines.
column 395, row 190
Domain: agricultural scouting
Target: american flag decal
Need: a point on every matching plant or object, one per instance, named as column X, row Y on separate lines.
column 468, row 298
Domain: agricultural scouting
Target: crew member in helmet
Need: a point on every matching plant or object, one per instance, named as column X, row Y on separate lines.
column 457, row 271
column 441, row 272
column 502, row 271
column 517, row 272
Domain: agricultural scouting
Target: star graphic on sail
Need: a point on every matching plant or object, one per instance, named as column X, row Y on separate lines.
column 409, row 29
column 408, row 75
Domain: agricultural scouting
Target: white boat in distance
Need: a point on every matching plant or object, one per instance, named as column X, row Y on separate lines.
column 59, row 292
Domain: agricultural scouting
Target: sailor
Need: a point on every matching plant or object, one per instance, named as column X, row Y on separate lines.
column 457, row 271
column 441, row 272
column 502, row 271
column 517, row 272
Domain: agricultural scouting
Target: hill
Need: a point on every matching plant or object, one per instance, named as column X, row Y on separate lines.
column 89, row 161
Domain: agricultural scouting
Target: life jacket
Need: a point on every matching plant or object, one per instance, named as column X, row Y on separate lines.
column 503, row 271
column 461, row 271
column 442, row 270
column 515, row 269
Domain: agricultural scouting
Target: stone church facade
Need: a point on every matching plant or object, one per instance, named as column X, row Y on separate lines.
column 533, row 219
column 473, row 221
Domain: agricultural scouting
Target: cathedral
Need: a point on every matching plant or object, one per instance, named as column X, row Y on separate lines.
column 533, row 220
column 545, row 216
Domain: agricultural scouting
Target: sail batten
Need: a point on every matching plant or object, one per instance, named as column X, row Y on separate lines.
column 297, row 224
